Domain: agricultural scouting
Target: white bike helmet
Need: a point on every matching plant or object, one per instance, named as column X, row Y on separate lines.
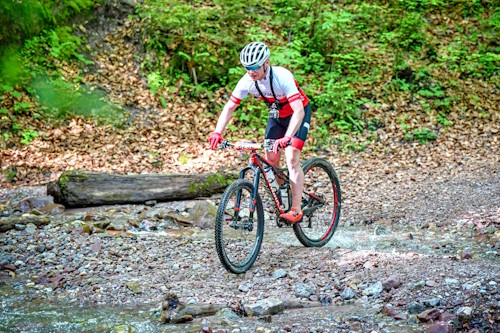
column 254, row 54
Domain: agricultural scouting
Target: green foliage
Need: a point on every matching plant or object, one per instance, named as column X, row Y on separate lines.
column 404, row 126
column 337, row 105
column 28, row 136
column 444, row 104
column 422, row 5
column 289, row 55
column 398, row 84
column 350, row 62
column 155, row 82
column 330, row 35
column 251, row 117
column 10, row 173
column 443, row 120
column 368, row 17
column 431, row 92
column 21, row 20
column 60, row 99
column 345, row 142
column 234, row 75
column 493, row 23
column 39, row 46
column 423, row 135
column 199, row 41
column 55, row 44
column 12, row 69
column 488, row 63
column 184, row 158
column 21, row 107
column 408, row 36
column 471, row 7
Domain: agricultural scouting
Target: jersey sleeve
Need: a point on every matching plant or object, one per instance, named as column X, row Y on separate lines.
column 289, row 86
column 240, row 91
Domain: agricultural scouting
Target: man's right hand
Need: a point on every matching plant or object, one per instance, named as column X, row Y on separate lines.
column 214, row 139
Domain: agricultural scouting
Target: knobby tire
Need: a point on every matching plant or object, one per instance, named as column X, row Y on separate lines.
column 323, row 179
column 229, row 249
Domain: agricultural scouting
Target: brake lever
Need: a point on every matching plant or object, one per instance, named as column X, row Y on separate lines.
column 224, row 145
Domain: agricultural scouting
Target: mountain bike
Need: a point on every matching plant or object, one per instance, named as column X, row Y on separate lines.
column 239, row 227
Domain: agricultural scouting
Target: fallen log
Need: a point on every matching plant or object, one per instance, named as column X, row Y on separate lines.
column 82, row 188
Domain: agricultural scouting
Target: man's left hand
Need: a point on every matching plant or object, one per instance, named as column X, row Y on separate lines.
column 280, row 144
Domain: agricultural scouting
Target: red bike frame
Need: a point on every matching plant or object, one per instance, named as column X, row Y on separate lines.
column 256, row 164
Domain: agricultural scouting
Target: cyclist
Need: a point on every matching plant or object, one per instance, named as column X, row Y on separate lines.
column 289, row 115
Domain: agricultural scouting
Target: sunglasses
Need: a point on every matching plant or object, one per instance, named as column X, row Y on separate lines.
column 253, row 68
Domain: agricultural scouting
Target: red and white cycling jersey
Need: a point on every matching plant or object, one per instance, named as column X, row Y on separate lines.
column 285, row 87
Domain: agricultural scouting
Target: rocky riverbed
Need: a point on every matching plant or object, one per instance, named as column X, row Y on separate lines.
column 422, row 256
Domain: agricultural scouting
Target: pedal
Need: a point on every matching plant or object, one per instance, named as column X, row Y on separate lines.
column 282, row 223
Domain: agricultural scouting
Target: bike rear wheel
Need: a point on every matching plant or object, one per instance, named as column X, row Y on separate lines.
column 321, row 204
column 238, row 230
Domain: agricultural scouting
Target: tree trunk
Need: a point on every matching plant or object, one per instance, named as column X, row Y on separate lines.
column 81, row 188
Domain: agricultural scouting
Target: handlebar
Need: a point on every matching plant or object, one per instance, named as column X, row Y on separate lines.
column 241, row 145
column 249, row 145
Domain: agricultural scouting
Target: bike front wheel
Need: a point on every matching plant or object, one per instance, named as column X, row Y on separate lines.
column 239, row 228
column 321, row 203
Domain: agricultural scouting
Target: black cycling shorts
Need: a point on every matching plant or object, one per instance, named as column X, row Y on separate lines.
column 276, row 128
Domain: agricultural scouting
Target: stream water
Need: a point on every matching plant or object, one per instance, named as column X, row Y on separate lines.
column 21, row 314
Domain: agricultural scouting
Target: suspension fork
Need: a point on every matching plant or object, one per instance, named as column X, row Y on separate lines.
column 255, row 190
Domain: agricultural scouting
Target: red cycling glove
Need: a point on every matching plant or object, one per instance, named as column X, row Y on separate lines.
column 280, row 144
column 214, row 139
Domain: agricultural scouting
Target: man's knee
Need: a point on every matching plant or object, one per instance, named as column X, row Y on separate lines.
column 292, row 157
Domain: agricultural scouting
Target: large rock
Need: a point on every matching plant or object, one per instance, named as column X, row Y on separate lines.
column 374, row 290
column 432, row 302
column 203, row 214
column 428, row 315
column 392, row 282
column 27, row 204
column 440, row 327
column 264, row 307
column 348, row 293
column 415, row 307
column 123, row 329
column 464, row 314
column 302, row 290
column 11, row 222
column 226, row 316
column 171, row 310
column 280, row 273
column 134, row 287
column 197, row 310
